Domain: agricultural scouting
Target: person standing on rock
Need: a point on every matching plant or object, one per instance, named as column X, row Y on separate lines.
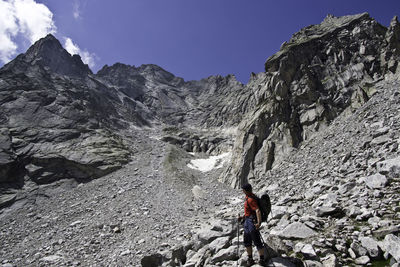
column 252, row 223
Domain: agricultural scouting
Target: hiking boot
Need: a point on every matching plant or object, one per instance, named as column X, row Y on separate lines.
column 249, row 262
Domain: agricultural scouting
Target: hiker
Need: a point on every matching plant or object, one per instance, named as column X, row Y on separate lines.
column 252, row 223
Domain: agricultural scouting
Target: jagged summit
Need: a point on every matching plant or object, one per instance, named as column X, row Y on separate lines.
column 327, row 26
column 394, row 22
column 311, row 37
column 145, row 71
column 48, row 53
column 122, row 66
column 43, row 46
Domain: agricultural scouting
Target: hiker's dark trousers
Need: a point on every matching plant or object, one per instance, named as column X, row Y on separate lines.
column 251, row 234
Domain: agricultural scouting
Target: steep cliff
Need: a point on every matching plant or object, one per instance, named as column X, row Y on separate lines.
column 210, row 102
column 322, row 71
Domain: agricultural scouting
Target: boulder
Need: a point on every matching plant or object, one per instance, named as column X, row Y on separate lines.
column 381, row 140
column 391, row 245
column 386, row 230
column 371, row 245
column 376, row 181
column 276, row 246
column 52, row 259
column 390, row 167
column 324, row 211
column 277, row 212
column 363, row 260
column 358, row 249
column 199, row 257
column 353, row 211
column 344, row 188
column 197, row 192
column 212, row 230
column 329, row 261
column 309, row 252
column 7, row 198
column 206, row 235
column 225, row 255
column 219, row 243
column 296, row 230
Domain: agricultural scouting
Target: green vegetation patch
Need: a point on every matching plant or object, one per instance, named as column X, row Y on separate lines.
column 380, row 263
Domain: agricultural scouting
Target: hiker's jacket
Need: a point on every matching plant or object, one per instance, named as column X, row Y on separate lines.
column 250, row 206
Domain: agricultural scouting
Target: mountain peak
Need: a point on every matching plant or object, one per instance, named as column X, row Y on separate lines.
column 331, row 26
column 49, row 53
column 394, row 21
column 43, row 46
column 328, row 25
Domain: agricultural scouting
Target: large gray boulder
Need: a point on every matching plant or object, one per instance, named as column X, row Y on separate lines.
column 390, row 167
column 391, row 245
column 296, row 230
column 227, row 254
column 376, row 181
column 199, row 257
column 371, row 245
column 219, row 243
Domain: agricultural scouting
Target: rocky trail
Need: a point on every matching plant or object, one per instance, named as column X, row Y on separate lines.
column 111, row 221
column 335, row 200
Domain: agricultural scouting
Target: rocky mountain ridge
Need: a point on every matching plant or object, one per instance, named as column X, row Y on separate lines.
column 59, row 120
column 318, row 131
column 322, row 71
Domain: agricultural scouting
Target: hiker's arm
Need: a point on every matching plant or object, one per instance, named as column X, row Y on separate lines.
column 258, row 213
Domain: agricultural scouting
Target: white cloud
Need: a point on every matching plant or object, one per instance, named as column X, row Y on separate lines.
column 30, row 21
column 35, row 20
column 24, row 18
column 76, row 10
column 87, row 58
column 8, row 30
column 71, row 47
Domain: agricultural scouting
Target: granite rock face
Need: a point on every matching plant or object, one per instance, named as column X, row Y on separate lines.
column 47, row 53
column 59, row 120
column 56, row 119
column 211, row 102
column 323, row 71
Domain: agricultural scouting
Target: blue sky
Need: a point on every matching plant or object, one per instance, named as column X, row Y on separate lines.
column 192, row 39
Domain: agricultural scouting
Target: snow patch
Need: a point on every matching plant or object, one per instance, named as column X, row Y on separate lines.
column 213, row 162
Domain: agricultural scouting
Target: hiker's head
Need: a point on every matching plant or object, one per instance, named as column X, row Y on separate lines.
column 247, row 189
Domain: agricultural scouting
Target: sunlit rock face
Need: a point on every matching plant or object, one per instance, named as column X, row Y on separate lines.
column 61, row 121
column 322, row 71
